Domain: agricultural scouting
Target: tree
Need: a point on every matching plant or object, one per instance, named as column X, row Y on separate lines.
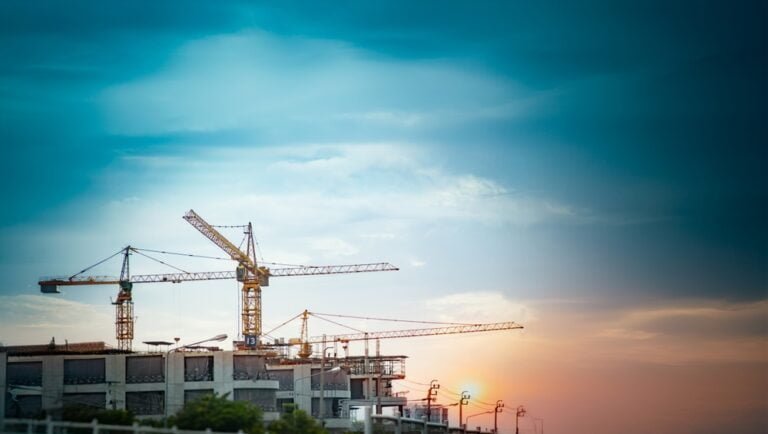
column 295, row 421
column 219, row 414
column 84, row 413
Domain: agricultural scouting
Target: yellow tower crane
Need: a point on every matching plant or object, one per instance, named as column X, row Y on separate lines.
column 374, row 369
column 254, row 277
column 248, row 272
column 446, row 328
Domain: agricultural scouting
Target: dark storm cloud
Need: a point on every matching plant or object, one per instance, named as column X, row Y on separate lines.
column 649, row 114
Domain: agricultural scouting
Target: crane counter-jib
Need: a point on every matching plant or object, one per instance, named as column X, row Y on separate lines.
column 49, row 285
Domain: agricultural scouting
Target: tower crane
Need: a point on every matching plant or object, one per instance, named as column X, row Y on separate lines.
column 375, row 371
column 254, row 277
column 413, row 333
column 124, row 318
column 447, row 328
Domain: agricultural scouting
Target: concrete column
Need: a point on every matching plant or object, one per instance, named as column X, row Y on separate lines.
column 223, row 368
column 367, row 420
column 53, row 382
column 114, row 367
column 175, row 378
column 302, row 387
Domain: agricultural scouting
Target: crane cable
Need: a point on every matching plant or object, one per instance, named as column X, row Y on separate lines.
column 337, row 323
column 192, row 255
column 395, row 320
column 159, row 261
column 183, row 254
column 286, row 322
column 98, row 263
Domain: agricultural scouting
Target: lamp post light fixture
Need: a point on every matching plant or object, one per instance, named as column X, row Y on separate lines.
column 520, row 412
column 217, row 338
column 466, row 423
column 464, row 400
column 432, row 391
column 496, row 411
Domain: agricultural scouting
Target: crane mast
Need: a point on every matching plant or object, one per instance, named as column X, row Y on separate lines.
column 124, row 306
column 248, row 272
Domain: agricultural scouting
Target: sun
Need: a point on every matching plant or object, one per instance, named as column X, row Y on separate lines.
column 474, row 388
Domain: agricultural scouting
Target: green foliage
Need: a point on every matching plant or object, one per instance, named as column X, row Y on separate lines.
column 154, row 423
column 219, row 414
column 84, row 413
column 295, row 421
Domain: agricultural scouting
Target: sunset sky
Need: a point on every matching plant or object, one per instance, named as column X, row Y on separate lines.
column 591, row 170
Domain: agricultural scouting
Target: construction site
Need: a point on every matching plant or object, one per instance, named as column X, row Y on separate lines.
column 320, row 374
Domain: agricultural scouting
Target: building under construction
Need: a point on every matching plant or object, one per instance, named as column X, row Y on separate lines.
column 47, row 378
column 330, row 385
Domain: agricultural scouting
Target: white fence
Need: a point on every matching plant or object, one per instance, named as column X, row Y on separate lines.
column 48, row 426
column 372, row 423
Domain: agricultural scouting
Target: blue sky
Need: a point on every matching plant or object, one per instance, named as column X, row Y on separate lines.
column 508, row 157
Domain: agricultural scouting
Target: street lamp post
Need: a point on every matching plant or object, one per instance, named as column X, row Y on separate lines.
column 218, row 338
column 520, row 412
column 496, row 411
column 321, row 407
column 477, row 414
column 464, row 400
column 432, row 391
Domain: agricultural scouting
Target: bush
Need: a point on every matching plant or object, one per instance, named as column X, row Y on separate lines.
column 295, row 421
column 219, row 414
column 84, row 413
column 154, row 423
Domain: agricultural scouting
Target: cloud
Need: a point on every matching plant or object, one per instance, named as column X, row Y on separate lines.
column 625, row 334
column 399, row 119
column 713, row 319
column 417, row 263
column 381, row 185
column 332, row 247
column 684, row 332
column 480, row 307
column 26, row 318
column 256, row 81
column 326, row 161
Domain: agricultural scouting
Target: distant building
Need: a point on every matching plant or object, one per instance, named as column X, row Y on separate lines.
column 46, row 378
column 437, row 413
